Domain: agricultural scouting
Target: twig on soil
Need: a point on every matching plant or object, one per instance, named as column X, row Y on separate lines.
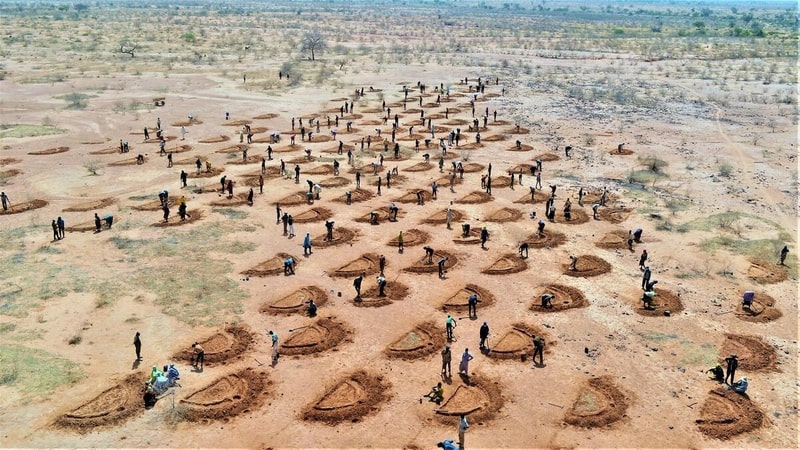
column 692, row 404
column 553, row 404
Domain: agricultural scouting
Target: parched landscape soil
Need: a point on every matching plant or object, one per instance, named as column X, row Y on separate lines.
column 502, row 182
column 214, row 139
column 303, row 160
column 132, row 161
column 539, row 196
column 503, row 215
column 411, row 238
column 252, row 159
column 272, row 266
column 419, row 167
column 154, row 205
column 475, row 197
column 754, row 353
column 663, row 301
column 762, row 310
column 369, row 297
column 7, row 161
column 577, row 216
column 228, row 396
column 521, row 148
column 422, row 266
column 296, row 302
column 765, row 272
column 472, row 167
column 614, row 214
column 91, row 205
column 726, row 414
column 474, row 237
column 225, row 200
column 204, row 173
column 50, row 151
column 350, row 400
column 315, row 214
column 517, row 342
column 223, row 347
column 565, row 297
column 617, row 239
column 623, row 152
column 298, row 198
column 356, row 196
column 424, row 339
column 340, row 236
column 600, row 403
column 5, row 174
column 325, row 169
column 411, row 196
column 175, row 220
column 366, row 264
column 108, row 151
column 548, row 239
column 84, row 227
column 334, row 182
column 480, row 398
column 547, row 157
column 16, row 208
column 384, row 215
column 112, row 407
column 506, row 264
column 588, row 266
column 324, row 334
column 459, row 301
column 441, row 217
column 266, row 116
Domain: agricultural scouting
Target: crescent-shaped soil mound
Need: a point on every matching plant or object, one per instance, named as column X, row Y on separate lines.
column 422, row 266
column 419, row 167
column 128, row 161
column 296, row 302
column 623, row 152
column 548, row 239
column 762, row 310
column 325, row 169
column 112, row 407
column 754, row 353
column 459, row 301
column 384, row 215
column 206, row 173
column 318, row 137
column 600, row 403
column 765, row 272
column 444, row 181
column 501, row 182
column 302, row 160
column 9, row 173
column 183, row 123
column 87, row 226
column 324, row 334
column 470, row 146
column 236, row 123
column 475, row 197
column 613, row 214
column 175, row 220
column 663, row 301
column 214, row 139
column 180, row 149
column 591, row 198
column 588, row 266
column 518, row 130
column 423, row 340
column 614, row 239
column 340, row 236
column 316, row 214
column 207, row 189
column 474, row 237
column 725, row 414
column 539, row 196
column 334, row 182
column 222, row 347
column 367, row 264
column 17, row 208
column 356, row 196
column 228, row 396
column 236, row 200
column 185, row 161
column 272, row 266
column 156, row 140
column 472, row 167
column 506, row 264
column 298, row 198
column 350, row 399
column 7, row 161
column 577, row 216
column 503, row 215
column 547, row 157
column 394, row 292
column 91, row 205
column 266, row 116
column 565, row 297
column 287, row 149
column 411, row 238
column 494, row 138
column 252, row 159
column 480, row 398
column 517, row 342
column 50, row 151
column 411, row 196
column 154, row 205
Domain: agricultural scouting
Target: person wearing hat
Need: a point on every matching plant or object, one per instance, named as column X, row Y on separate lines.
column 733, row 364
column 446, row 357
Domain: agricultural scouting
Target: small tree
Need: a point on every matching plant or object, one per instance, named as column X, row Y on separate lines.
column 127, row 46
column 314, row 42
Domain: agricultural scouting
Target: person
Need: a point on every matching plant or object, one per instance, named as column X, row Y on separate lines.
column 442, row 262
column 740, row 387
column 484, row 237
column 449, row 326
column 650, row 285
column 538, row 349
column 96, row 223
column 109, row 220
column 449, row 216
column 465, row 229
column 55, row 229
column 747, row 299
column 732, row 364
column 436, row 395
column 199, row 356
column 288, row 266
column 150, row 398
column 285, row 220
column 184, row 177
column 146, row 134
column 540, row 229
column 297, row 174
column 165, row 207
column 61, row 227
column 382, row 263
column 290, row 222
column 523, row 248
column 400, row 242
column 574, row 262
column 718, row 373
column 630, row 241
column 169, row 159
column 594, row 210
column 381, row 286
column 463, row 367
column 484, row 335
column 312, row 308
column 393, row 209
column 643, row 259
column 645, row 277
column 447, row 444
column 307, row 244
column 182, row 211
column 250, row 196
column 275, row 354
column 199, row 165
column 547, row 300
column 446, row 357
column 329, row 229
column 637, row 235
column 472, row 303
column 784, row 252
column 462, row 428
column 137, row 345
column 357, row 284
column 647, row 299
column 428, row 254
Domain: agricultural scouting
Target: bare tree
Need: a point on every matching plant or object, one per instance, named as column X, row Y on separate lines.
column 128, row 47
column 313, row 41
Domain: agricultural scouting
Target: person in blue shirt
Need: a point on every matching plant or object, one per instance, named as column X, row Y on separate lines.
column 447, row 445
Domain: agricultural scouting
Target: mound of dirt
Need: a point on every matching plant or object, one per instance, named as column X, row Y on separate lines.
column 663, row 301
column 506, row 264
column 223, row 347
column 613, row 214
column 325, row 169
column 539, row 196
column 441, row 217
column 272, row 266
column 302, row 160
column 50, row 151
column 316, row 214
column 236, row 123
column 366, row 264
column 479, row 398
column 384, row 215
column 588, row 266
column 501, row 182
column 83, row 227
column 252, row 159
column 356, row 196
column 296, row 302
column 91, row 205
column 128, row 161
column 517, row 342
column 186, row 123
column 350, row 399
column 298, row 198
column 369, row 298
column 472, row 167
column 266, row 116
column 412, row 238
column 206, row 173
column 17, row 208
column 411, row 196
column 577, row 216
column 503, row 215
column 7, row 161
column 422, row 265
column 765, row 272
column 494, row 138
column 548, row 239
column 725, row 414
column 591, row 198
column 754, row 353
column 237, row 148
column 423, row 340
column 324, row 334
column 459, row 301
column 214, row 139
column 175, row 220
column 228, row 396
column 226, row 201
column 6, row 174
column 334, row 182
column 340, row 236
column 566, row 297
column 474, row 237
column 762, row 310
column 623, row 152
column 475, row 197
column 518, row 130
column 615, row 239
column 600, row 403
column 108, row 151
column 112, row 407
column 419, row 167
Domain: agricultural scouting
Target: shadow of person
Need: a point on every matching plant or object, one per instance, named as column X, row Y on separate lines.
column 136, row 363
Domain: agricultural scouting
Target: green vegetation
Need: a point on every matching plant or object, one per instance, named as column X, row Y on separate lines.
column 22, row 130
column 35, row 372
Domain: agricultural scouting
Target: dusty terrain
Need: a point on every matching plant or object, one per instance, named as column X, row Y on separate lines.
column 708, row 171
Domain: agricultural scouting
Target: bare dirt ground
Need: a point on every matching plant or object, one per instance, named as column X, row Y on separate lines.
column 708, row 172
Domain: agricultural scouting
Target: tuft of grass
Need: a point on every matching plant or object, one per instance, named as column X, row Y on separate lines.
column 23, row 130
column 19, row 363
